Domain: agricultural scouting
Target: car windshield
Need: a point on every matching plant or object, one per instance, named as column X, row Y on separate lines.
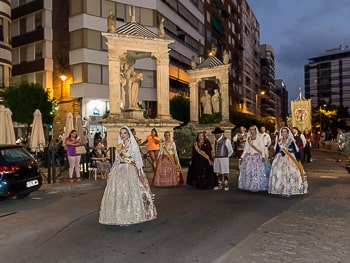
column 15, row 154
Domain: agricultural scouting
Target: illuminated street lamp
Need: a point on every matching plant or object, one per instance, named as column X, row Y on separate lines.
column 324, row 105
column 63, row 79
column 257, row 101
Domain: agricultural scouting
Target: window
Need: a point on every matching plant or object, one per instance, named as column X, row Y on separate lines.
column 120, row 15
column 2, row 79
column 22, row 26
column 39, row 78
column 76, row 7
column 23, row 54
column 93, row 7
column 1, row 29
column 38, row 50
column 146, row 17
column 94, row 73
column 93, row 39
column 38, row 20
column 76, row 39
column 77, row 71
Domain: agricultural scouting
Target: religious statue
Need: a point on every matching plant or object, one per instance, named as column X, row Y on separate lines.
column 111, row 22
column 134, row 89
column 225, row 57
column 132, row 14
column 193, row 63
column 161, row 31
column 215, row 101
column 206, row 103
column 129, row 81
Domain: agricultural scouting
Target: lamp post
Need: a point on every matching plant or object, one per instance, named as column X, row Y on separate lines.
column 63, row 79
column 257, row 101
column 321, row 118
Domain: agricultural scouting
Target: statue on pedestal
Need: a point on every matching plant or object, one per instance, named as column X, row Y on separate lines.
column 111, row 22
column 206, row 103
column 161, row 31
column 215, row 101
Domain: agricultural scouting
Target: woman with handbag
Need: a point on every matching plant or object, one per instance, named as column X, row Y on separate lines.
column 73, row 141
column 168, row 169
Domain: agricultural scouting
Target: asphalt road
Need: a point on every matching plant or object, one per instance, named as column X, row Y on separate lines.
column 192, row 225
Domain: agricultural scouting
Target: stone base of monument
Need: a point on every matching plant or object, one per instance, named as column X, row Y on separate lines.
column 133, row 114
column 142, row 127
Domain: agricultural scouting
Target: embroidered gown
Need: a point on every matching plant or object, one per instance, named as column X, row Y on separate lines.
column 285, row 176
column 127, row 198
column 168, row 171
column 200, row 172
column 254, row 173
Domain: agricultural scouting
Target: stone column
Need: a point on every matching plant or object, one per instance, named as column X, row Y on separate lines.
column 163, row 107
column 114, row 80
column 224, row 96
column 194, row 108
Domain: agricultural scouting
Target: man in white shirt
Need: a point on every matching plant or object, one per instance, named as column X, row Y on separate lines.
column 223, row 150
column 267, row 140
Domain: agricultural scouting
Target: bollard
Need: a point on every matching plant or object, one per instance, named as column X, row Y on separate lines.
column 112, row 155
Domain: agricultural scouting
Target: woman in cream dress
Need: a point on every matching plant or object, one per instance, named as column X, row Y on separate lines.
column 127, row 198
column 287, row 175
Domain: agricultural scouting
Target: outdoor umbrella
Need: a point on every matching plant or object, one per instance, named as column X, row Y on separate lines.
column 69, row 126
column 79, row 128
column 37, row 138
column 7, row 132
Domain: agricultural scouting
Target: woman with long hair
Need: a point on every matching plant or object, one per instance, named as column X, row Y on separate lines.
column 127, row 198
column 153, row 147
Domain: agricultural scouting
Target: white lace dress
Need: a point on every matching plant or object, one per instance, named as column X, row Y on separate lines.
column 127, row 198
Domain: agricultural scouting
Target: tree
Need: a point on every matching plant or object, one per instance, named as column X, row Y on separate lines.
column 23, row 99
column 180, row 108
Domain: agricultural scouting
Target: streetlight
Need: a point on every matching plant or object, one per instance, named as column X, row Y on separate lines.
column 63, row 79
column 257, row 101
column 324, row 105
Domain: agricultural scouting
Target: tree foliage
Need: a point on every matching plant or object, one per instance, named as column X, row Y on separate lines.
column 23, row 99
column 180, row 108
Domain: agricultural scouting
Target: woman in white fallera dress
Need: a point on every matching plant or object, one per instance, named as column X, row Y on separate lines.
column 287, row 173
column 127, row 198
column 254, row 170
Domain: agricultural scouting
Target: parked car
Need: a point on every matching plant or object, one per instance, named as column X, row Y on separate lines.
column 19, row 172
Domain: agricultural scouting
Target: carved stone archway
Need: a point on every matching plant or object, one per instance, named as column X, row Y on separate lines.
column 210, row 68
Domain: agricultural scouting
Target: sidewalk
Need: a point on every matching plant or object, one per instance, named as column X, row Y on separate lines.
column 316, row 229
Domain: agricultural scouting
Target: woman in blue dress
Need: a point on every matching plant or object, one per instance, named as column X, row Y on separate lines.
column 287, row 175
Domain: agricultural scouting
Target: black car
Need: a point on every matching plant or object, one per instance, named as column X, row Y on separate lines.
column 19, row 172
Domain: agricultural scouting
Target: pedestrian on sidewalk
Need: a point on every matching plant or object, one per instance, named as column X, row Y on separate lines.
column 287, row 175
column 73, row 141
column 341, row 143
column 254, row 169
column 223, row 150
column 127, row 198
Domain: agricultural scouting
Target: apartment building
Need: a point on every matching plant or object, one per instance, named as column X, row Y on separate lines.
column 251, row 80
column 327, row 78
column 5, row 45
column 223, row 29
column 268, row 95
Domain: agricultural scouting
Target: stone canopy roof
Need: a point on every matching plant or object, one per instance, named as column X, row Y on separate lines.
column 135, row 29
column 210, row 62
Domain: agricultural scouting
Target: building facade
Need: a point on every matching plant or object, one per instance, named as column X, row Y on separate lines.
column 5, row 46
column 327, row 78
column 268, row 95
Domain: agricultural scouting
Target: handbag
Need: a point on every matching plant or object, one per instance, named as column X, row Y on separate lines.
column 80, row 150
